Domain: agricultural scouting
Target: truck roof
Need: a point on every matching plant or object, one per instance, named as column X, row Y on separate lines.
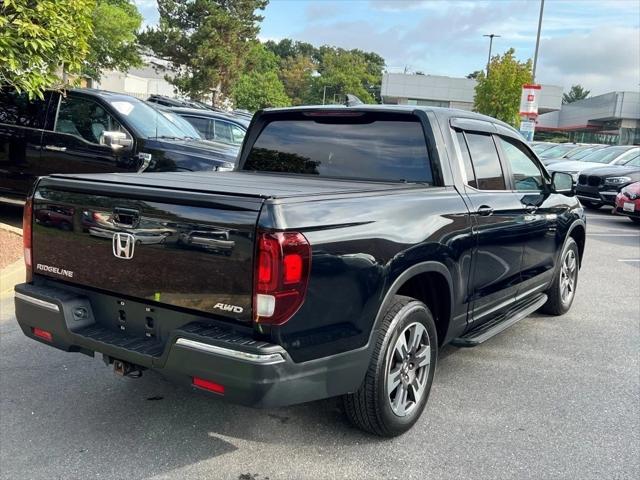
column 442, row 113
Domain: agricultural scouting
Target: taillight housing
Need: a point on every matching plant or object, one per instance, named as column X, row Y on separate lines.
column 27, row 217
column 283, row 264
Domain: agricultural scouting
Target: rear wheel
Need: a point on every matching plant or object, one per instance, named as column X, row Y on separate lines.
column 591, row 205
column 398, row 381
column 563, row 288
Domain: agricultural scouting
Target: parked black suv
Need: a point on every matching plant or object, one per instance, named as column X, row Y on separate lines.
column 92, row 131
column 600, row 185
column 350, row 245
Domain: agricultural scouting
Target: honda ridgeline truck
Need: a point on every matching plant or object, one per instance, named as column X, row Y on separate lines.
column 350, row 245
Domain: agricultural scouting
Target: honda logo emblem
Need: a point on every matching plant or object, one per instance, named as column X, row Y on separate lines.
column 123, row 245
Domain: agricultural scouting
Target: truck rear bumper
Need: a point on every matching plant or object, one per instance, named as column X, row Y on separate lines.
column 244, row 371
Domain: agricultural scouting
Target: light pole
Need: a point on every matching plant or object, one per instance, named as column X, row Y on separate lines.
column 535, row 55
column 491, row 36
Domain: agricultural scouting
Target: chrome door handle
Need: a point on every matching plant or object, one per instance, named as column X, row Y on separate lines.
column 485, row 210
column 54, row 148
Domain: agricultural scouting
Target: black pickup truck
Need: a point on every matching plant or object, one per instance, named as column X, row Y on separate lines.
column 93, row 131
column 350, row 245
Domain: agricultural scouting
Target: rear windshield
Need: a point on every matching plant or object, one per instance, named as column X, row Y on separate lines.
column 367, row 147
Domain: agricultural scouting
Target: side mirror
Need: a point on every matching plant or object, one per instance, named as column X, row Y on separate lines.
column 118, row 141
column 562, row 183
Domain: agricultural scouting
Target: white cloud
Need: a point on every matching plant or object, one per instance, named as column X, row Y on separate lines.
column 602, row 60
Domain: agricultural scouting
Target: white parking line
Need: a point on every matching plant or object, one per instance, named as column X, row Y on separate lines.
column 613, row 235
column 629, row 259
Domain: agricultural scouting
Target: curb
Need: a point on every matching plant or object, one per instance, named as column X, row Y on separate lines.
column 10, row 276
column 9, row 228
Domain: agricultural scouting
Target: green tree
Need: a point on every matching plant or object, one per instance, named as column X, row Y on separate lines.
column 260, row 87
column 206, row 42
column 577, row 92
column 40, row 41
column 474, row 74
column 499, row 95
column 296, row 74
column 257, row 90
column 113, row 45
column 342, row 72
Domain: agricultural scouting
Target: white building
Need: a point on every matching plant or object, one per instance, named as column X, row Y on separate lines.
column 453, row 92
column 138, row 82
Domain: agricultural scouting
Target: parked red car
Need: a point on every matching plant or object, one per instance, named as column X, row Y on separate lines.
column 628, row 202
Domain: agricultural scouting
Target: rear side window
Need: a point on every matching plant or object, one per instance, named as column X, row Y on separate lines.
column 364, row 146
column 486, row 163
column 203, row 125
column 17, row 109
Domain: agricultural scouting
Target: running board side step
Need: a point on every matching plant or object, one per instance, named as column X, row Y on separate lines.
column 493, row 327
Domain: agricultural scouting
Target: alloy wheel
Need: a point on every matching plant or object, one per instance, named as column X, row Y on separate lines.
column 408, row 369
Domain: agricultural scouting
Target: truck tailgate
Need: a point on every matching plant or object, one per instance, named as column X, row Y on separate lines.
column 195, row 253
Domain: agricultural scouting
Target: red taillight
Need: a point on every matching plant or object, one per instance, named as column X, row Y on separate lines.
column 282, row 273
column 208, row 385
column 43, row 334
column 27, row 216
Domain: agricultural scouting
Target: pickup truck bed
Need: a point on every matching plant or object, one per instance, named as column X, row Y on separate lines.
column 242, row 184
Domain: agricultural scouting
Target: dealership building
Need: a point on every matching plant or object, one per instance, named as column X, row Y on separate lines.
column 612, row 118
column 452, row 92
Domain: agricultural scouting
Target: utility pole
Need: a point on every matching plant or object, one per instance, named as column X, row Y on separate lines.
column 491, row 36
column 535, row 55
column 324, row 94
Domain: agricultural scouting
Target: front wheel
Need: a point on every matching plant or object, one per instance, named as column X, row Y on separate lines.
column 397, row 384
column 563, row 287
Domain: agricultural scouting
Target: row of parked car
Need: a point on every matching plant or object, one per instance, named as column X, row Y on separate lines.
column 94, row 131
column 604, row 175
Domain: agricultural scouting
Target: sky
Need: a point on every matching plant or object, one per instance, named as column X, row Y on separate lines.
column 595, row 43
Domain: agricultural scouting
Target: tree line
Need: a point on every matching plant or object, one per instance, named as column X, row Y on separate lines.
column 212, row 53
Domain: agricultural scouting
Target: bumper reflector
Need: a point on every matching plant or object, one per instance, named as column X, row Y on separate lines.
column 208, row 385
column 43, row 334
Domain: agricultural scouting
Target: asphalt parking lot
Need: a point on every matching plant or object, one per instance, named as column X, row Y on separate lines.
column 549, row 398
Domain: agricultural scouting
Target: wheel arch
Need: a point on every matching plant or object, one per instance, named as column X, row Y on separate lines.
column 579, row 233
column 428, row 282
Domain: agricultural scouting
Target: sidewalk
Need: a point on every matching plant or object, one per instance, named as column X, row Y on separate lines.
column 13, row 271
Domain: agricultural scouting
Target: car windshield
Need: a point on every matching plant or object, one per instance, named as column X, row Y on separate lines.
column 182, row 124
column 633, row 161
column 558, row 151
column 605, row 155
column 541, row 147
column 148, row 121
column 580, row 154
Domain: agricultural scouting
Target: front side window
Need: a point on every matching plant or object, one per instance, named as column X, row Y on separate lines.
column 84, row 119
column 486, row 163
column 360, row 145
column 525, row 173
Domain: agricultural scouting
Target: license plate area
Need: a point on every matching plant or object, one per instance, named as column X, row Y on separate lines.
column 629, row 207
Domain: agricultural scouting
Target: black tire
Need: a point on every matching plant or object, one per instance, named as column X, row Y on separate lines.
column 556, row 304
column 591, row 205
column 370, row 407
column 635, row 219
